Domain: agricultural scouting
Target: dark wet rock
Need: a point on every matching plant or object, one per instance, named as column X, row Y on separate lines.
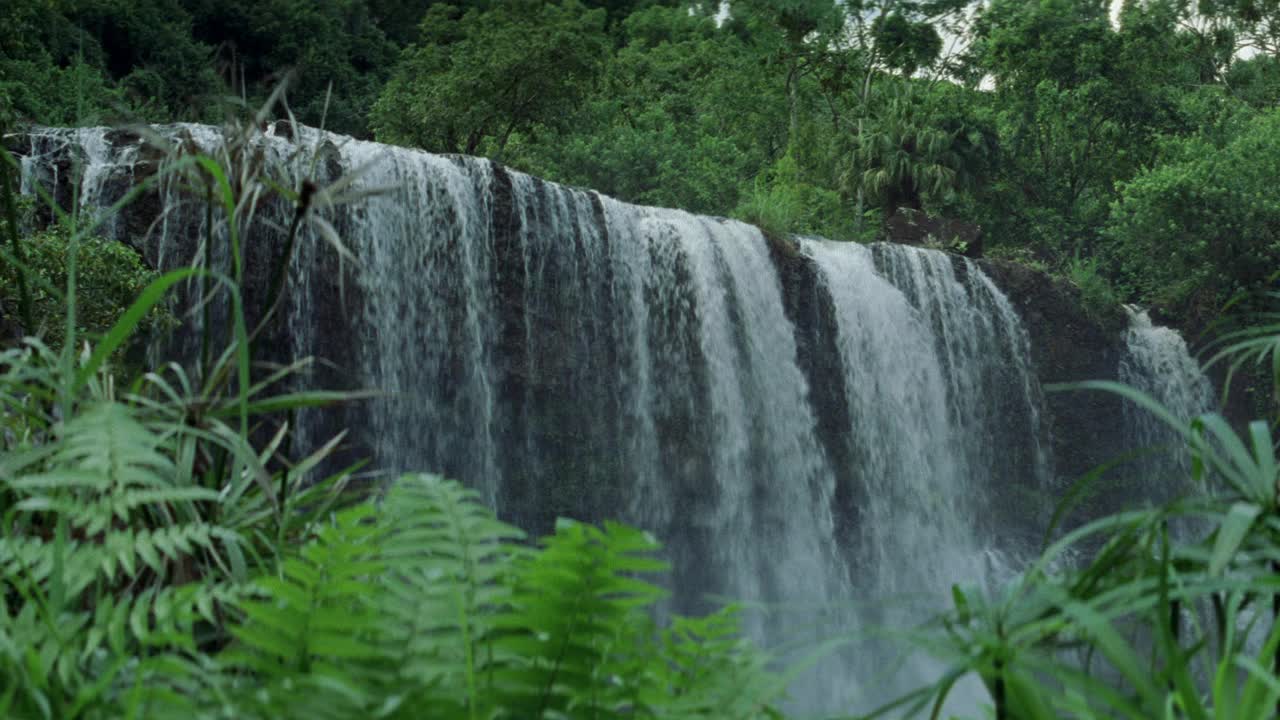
column 914, row 227
column 281, row 129
column 331, row 160
column 1069, row 345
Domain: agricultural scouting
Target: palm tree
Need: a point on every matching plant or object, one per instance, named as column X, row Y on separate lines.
column 908, row 152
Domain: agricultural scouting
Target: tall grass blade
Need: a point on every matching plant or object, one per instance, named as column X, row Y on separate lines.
column 128, row 323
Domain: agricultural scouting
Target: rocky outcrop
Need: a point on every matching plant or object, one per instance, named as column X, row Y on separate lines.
column 913, row 227
column 1070, row 345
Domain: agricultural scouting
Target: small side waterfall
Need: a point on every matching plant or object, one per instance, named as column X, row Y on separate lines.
column 819, row 426
column 1158, row 363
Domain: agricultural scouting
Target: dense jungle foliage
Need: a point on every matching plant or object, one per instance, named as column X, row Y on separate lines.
column 161, row 555
column 1140, row 135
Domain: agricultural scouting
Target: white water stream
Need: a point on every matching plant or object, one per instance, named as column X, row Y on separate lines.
column 566, row 353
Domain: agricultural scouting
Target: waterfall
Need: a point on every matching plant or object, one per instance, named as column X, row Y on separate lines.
column 827, row 430
column 1158, row 363
column 943, row 414
column 429, row 313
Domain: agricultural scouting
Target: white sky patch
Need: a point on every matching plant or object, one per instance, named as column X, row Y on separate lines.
column 955, row 39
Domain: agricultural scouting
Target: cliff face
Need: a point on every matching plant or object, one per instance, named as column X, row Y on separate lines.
column 551, row 264
column 1068, row 345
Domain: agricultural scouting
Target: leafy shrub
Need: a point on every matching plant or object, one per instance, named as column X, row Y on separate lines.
column 1203, row 225
column 782, row 203
column 110, row 275
column 1096, row 294
column 776, row 210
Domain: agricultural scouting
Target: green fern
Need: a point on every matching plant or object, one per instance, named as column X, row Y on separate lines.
column 710, row 670
column 569, row 627
column 313, row 628
column 99, row 533
column 26, row 387
column 423, row 604
column 450, row 562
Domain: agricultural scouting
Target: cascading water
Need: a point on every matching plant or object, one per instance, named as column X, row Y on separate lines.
column 864, row 429
column 1158, row 363
column 941, row 401
column 430, row 313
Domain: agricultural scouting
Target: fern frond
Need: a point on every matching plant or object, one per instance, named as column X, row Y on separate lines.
column 317, row 617
column 102, row 535
column 105, row 467
column 155, row 548
column 32, row 564
column 171, row 686
column 449, row 559
column 108, row 440
column 571, row 607
column 709, row 670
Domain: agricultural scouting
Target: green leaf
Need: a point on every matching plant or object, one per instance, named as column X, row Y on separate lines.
column 1235, row 526
column 128, row 323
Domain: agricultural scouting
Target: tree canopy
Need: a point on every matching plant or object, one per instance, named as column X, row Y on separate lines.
column 478, row 76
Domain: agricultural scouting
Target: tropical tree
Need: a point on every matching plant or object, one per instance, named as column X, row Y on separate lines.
column 334, row 52
column 1246, row 24
column 1079, row 104
column 910, row 151
column 50, row 71
column 904, row 45
column 1204, row 224
column 686, row 114
column 480, row 76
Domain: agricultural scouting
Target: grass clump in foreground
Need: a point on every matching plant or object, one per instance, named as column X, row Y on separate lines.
column 1174, row 611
